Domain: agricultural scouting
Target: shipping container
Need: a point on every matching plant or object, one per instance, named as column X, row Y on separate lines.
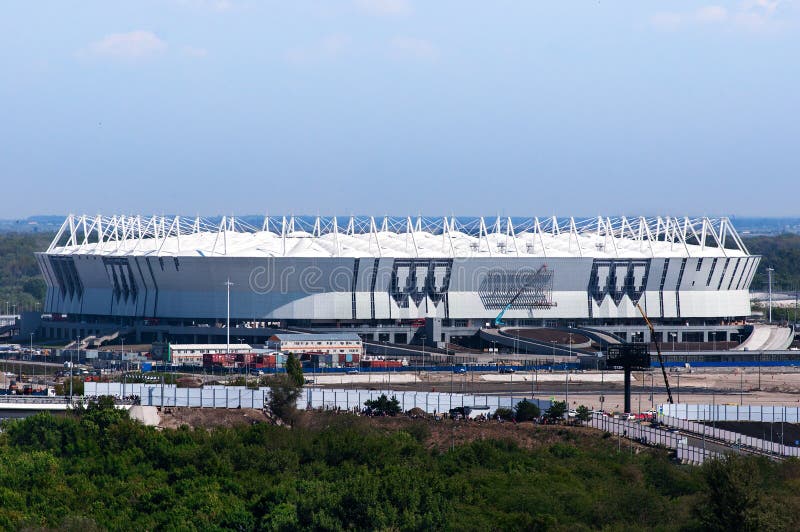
column 381, row 363
column 219, row 360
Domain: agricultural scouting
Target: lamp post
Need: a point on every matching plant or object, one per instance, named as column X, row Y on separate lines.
column 566, row 389
column 33, row 366
column 71, row 367
column 228, row 285
column 769, row 277
column 423, row 352
column 741, row 387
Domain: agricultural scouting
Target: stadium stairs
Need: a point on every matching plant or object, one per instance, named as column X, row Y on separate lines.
column 767, row 338
column 8, row 329
column 95, row 342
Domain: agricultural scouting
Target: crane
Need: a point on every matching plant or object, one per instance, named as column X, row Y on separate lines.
column 498, row 321
column 658, row 350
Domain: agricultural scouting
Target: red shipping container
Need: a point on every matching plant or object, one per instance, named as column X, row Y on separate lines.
column 245, row 358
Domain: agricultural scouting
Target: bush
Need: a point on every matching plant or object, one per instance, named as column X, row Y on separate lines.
column 383, row 406
column 505, row 414
column 283, row 395
column 583, row 414
column 526, row 411
column 556, row 411
column 294, row 370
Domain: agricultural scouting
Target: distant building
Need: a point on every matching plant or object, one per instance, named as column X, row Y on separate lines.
column 328, row 344
column 192, row 354
column 392, row 280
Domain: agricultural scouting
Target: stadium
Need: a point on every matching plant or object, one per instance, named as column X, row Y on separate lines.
column 398, row 280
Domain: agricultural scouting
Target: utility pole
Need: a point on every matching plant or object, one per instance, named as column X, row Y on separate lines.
column 228, row 285
column 71, row 367
column 424, row 337
column 769, row 277
column 33, row 366
column 741, row 387
column 566, row 389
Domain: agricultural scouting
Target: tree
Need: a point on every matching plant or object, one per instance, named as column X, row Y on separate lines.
column 505, row 414
column 294, row 369
column 283, row 395
column 556, row 411
column 583, row 414
column 383, row 406
column 734, row 499
column 526, row 410
column 77, row 387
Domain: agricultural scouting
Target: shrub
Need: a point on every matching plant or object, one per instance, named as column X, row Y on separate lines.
column 383, row 406
column 504, row 413
column 526, row 410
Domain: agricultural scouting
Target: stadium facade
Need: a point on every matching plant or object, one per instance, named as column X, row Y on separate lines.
column 363, row 271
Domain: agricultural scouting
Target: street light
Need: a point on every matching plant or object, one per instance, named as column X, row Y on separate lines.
column 228, row 285
column 423, row 351
column 33, row 366
column 769, row 277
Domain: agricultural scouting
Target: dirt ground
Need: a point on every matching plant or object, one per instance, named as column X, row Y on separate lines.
column 210, row 417
column 435, row 434
column 446, row 433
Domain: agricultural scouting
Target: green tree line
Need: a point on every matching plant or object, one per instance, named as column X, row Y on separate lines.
column 100, row 470
column 782, row 253
column 21, row 282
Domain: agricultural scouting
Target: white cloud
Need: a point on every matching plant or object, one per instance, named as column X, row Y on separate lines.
column 754, row 15
column 666, row 20
column 330, row 47
column 214, row 5
column 711, row 14
column 415, row 47
column 130, row 45
column 384, row 7
column 191, row 51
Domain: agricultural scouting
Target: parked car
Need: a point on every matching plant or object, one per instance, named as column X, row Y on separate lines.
column 460, row 370
column 351, row 371
column 507, row 370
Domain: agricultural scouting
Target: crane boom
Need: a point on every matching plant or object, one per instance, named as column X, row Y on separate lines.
column 658, row 350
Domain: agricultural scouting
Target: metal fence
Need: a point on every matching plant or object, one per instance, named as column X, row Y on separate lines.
column 726, row 412
column 695, row 455
column 648, row 435
column 326, row 398
column 735, row 439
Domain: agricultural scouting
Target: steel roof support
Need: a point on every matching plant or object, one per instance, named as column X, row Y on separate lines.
column 447, row 228
column 374, row 231
column 537, row 230
column 483, row 233
column 716, row 238
column 336, row 237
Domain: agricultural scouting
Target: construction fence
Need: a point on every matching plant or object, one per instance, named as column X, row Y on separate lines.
column 647, row 435
column 727, row 412
column 312, row 398
column 735, row 439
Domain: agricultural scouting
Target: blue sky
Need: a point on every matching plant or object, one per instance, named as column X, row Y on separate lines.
column 400, row 107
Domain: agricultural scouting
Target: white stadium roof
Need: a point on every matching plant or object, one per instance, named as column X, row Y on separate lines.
column 321, row 237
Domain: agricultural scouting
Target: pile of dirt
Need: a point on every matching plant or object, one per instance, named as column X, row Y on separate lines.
column 209, row 418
